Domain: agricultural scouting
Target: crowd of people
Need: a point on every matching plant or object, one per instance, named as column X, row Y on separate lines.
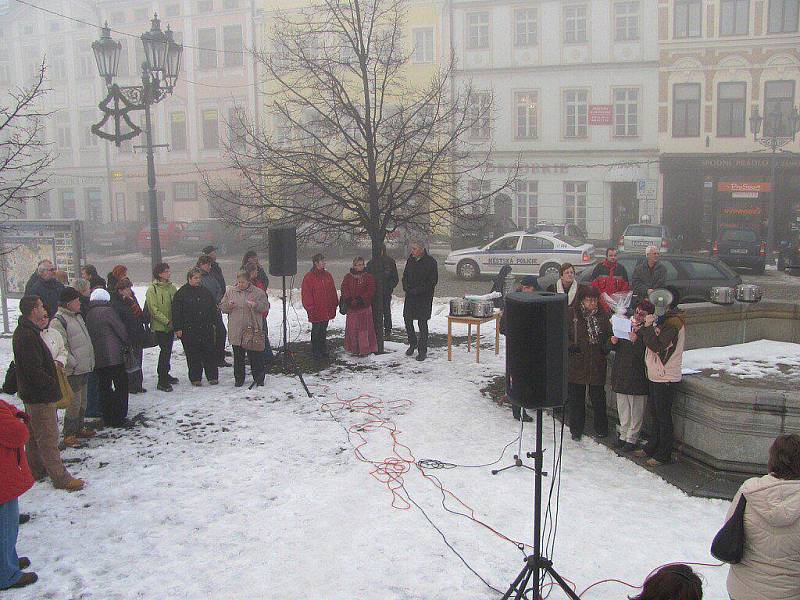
column 80, row 347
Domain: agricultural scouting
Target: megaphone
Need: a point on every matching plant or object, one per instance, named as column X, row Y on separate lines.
column 661, row 299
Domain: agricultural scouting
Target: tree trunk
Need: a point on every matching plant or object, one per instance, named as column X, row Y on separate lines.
column 377, row 301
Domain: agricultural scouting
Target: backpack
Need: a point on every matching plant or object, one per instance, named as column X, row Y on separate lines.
column 10, row 383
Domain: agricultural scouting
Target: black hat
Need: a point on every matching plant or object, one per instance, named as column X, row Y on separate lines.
column 209, row 249
column 529, row 281
column 68, row 294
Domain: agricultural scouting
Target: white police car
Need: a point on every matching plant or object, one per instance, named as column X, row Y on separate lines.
column 527, row 253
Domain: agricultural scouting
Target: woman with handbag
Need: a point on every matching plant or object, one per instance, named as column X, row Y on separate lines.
column 254, row 274
column 358, row 287
column 244, row 304
column 194, row 313
column 130, row 313
column 769, row 568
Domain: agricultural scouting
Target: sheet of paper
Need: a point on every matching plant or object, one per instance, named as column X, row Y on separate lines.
column 621, row 327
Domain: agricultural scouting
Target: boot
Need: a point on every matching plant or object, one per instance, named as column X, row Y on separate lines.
column 72, row 441
column 26, row 579
column 197, row 383
column 410, row 351
column 164, row 387
column 422, row 355
column 213, row 382
column 172, row 380
column 73, row 485
column 24, row 562
column 85, row 433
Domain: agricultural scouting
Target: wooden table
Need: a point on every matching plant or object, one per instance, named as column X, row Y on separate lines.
column 470, row 321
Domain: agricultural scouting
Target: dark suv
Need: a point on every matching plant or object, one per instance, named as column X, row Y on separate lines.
column 741, row 247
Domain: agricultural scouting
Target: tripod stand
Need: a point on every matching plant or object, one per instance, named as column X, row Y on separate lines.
column 518, row 456
column 286, row 357
column 536, row 564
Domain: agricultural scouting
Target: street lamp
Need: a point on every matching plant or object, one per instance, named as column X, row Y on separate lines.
column 777, row 133
column 159, row 76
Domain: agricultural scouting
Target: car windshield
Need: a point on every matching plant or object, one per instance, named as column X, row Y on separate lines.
column 568, row 240
column 738, row 235
column 644, row 231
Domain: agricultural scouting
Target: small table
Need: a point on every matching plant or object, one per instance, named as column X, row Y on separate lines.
column 470, row 321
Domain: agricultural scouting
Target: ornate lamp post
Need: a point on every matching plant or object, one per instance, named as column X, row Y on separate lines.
column 159, row 75
column 777, row 133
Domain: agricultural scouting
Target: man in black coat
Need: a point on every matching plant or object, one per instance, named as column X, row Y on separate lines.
column 214, row 282
column 387, row 265
column 419, row 281
column 39, row 389
column 649, row 275
column 194, row 314
column 47, row 287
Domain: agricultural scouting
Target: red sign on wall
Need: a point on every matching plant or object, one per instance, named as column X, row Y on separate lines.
column 744, row 186
column 601, row 114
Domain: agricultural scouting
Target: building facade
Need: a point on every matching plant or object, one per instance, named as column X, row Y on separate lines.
column 571, row 85
column 720, row 60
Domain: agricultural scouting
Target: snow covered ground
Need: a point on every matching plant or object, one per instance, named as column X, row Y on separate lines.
column 226, row 493
column 753, row 360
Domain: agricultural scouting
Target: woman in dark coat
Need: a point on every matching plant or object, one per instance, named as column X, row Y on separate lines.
column 589, row 332
column 358, row 287
column 127, row 306
column 194, row 313
column 419, row 282
column 629, row 379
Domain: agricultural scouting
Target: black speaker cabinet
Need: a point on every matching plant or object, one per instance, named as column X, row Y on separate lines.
column 536, row 349
column 283, row 251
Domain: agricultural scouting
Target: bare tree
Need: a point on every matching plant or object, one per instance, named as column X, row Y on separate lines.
column 353, row 146
column 24, row 154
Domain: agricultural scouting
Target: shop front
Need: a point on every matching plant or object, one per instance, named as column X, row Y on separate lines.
column 703, row 193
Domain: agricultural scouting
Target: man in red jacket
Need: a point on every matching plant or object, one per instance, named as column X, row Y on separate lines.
column 15, row 480
column 610, row 277
column 320, row 300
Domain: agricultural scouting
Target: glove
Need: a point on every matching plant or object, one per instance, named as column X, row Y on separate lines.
column 574, row 349
column 358, row 302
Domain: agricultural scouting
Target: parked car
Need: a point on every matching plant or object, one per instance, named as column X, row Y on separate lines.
column 741, row 247
column 789, row 255
column 528, row 254
column 690, row 277
column 169, row 233
column 568, row 229
column 638, row 236
column 111, row 238
column 201, row 233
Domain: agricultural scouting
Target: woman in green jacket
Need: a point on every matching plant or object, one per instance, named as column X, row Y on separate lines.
column 158, row 301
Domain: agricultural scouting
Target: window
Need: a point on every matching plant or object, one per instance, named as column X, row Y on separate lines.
column 576, row 111
column 63, row 137
column 532, row 242
column 734, row 17
column 234, row 48
column 575, row 203
column 5, row 71
column 121, row 212
column 177, row 127
column 210, row 129
column 185, row 191
column 477, row 30
column 525, row 104
column 626, row 21
column 85, row 65
column 139, row 57
column 505, row 244
column 731, row 109
column 282, row 129
column 478, row 191
column 94, row 206
column 782, row 16
column 43, row 209
column 205, row 6
column 575, row 24
column 117, row 17
column 57, row 67
column 423, row 45
column 688, row 16
column 172, row 10
column 236, row 127
column 527, row 197
column 54, row 26
column 778, row 103
column 68, row 204
column 479, row 115
column 701, row 270
column 686, row 110
column 526, row 29
column 626, row 112
column 207, row 42
column 88, row 139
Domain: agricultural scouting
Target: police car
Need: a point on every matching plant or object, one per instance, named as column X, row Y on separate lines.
column 527, row 253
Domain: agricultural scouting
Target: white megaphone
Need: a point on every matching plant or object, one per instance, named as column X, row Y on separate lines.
column 661, row 299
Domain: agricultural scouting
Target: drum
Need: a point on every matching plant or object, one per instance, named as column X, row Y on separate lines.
column 748, row 293
column 722, row 295
column 459, row 307
column 481, row 309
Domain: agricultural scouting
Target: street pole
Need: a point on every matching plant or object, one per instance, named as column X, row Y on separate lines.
column 773, row 167
column 155, row 239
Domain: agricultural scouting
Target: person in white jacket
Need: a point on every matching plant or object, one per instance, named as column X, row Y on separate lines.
column 770, row 565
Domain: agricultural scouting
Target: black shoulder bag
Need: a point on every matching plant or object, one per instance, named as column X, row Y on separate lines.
column 728, row 544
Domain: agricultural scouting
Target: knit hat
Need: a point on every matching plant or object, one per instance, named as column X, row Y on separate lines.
column 209, row 249
column 68, row 294
column 100, row 295
column 529, row 281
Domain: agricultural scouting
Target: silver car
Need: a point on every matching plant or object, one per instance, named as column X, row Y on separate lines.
column 638, row 236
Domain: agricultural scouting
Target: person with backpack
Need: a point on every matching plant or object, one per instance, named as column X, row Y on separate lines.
column 79, row 363
column 159, row 303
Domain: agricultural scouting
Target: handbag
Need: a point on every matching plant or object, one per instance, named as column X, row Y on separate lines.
column 130, row 360
column 728, row 544
column 67, row 395
column 253, row 337
column 343, row 304
column 149, row 339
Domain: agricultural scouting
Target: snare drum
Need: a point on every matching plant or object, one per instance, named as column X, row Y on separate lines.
column 481, row 309
column 459, row 307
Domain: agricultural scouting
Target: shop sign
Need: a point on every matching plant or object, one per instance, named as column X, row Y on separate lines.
column 601, row 114
column 744, row 187
column 741, row 211
column 646, row 189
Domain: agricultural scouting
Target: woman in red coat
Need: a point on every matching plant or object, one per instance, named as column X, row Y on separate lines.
column 358, row 287
column 15, row 480
column 320, row 300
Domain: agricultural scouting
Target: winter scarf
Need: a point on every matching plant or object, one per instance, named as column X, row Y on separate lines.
column 573, row 290
column 592, row 326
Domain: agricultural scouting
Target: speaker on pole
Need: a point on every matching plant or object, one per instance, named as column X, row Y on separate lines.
column 283, row 251
column 536, row 349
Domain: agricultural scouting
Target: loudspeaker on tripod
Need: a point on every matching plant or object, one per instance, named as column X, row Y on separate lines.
column 283, row 251
column 536, row 349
